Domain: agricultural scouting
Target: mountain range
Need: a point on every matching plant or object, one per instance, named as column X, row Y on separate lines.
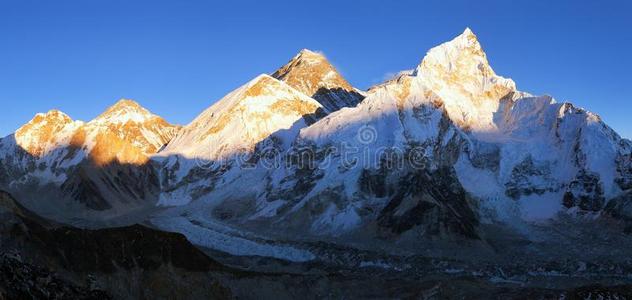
column 447, row 159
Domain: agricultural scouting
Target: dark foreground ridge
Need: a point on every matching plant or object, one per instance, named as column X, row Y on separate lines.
column 20, row 280
column 130, row 262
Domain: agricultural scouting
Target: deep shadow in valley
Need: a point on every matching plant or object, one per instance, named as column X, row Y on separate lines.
column 136, row 262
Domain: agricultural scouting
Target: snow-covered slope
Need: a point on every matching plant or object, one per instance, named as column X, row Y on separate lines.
column 264, row 114
column 244, row 117
column 459, row 73
column 435, row 151
column 67, row 166
column 126, row 133
column 135, row 125
column 311, row 73
column 46, row 133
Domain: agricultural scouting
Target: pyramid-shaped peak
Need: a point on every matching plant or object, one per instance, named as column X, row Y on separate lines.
column 126, row 104
column 123, row 111
column 310, row 73
column 459, row 55
column 468, row 32
column 466, row 40
column 126, row 132
column 309, row 54
column 460, row 61
column 307, row 58
column 461, row 66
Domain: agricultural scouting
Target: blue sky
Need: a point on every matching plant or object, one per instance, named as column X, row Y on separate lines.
column 177, row 57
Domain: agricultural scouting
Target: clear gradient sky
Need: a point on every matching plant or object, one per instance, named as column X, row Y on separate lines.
column 177, row 57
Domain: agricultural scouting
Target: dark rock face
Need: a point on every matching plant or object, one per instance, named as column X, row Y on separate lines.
column 337, row 98
column 80, row 187
column 620, row 208
column 208, row 171
column 93, row 186
column 108, row 250
column 436, row 202
column 485, row 156
column 529, row 178
column 14, row 166
column 624, row 168
column 97, row 187
column 20, row 280
column 585, row 192
column 302, row 163
column 4, row 175
column 373, row 182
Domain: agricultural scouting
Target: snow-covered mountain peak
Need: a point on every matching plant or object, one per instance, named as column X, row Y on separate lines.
column 458, row 71
column 45, row 131
column 461, row 61
column 124, row 111
column 125, row 103
column 465, row 41
column 312, row 74
column 309, row 71
column 51, row 115
column 310, row 56
column 125, row 132
column 100, row 164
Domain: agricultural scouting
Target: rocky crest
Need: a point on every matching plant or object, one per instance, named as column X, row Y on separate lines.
column 310, row 73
